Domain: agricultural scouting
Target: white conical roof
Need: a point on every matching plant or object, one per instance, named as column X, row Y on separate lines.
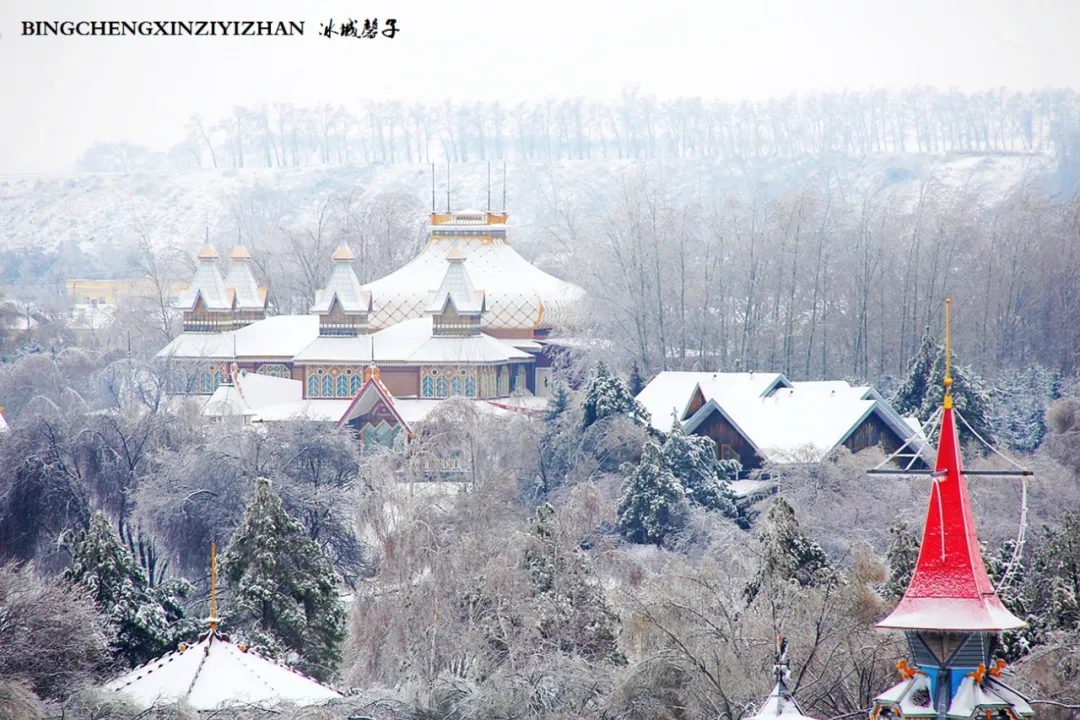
column 343, row 285
column 456, row 287
column 215, row 674
column 207, row 282
column 242, row 281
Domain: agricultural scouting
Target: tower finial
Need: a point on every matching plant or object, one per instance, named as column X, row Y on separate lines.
column 213, row 586
column 948, row 354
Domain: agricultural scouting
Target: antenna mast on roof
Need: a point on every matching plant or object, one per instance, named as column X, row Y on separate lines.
column 504, row 187
column 206, row 223
column 448, row 187
column 432, row 188
column 213, row 586
column 489, row 189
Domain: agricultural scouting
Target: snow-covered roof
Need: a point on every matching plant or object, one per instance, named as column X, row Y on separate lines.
column 227, row 402
column 3, row 422
column 779, row 704
column 410, row 341
column 320, row 410
column 239, row 279
column 215, row 674
column 370, row 393
column 343, row 285
column 971, row 699
column 671, row 391
column 207, row 283
column 278, row 336
column 518, row 295
column 456, row 288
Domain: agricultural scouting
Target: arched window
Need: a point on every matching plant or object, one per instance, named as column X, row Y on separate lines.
column 470, row 386
column 313, row 386
column 179, row 382
column 342, row 386
column 357, row 381
column 218, row 379
column 456, row 385
column 427, row 388
column 441, row 389
column 206, row 382
column 274, row 370
column 327, row 386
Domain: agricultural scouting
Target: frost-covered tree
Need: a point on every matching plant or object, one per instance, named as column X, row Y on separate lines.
column 652, row 500
column 1008, row 573
column 908, row 398
column 559, row 400
column 607, row 395
column 1055, row 573
column 787, row 555
column 285, row 593
column 143, row 621
column 970, row 398
column 902, row 555
column 1021, row 398
column 573, row 614
column 692, row 459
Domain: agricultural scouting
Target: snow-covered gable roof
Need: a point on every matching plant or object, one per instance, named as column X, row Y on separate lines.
column 279, row 336
column 215, row 674
column 207, row 283
column 321, row 410
column 779, row 704
column 3, row 423
column 456, row 288
column 370, row 393
column 912, row 697
column 672, row 391
column 344, row 286
column 239, row 279
column 227, row 401
column 800, row 423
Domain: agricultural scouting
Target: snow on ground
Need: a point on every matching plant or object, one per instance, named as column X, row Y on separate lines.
column 94, row 209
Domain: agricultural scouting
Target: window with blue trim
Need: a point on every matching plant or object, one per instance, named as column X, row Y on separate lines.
column 456, row 386
column 355, row 385
column 441, row 388
column 313, row 386
column 218, row 379
column 327, row 386
column 206, row 382
column 428, row 387
column 470, row 386
column 342, row 386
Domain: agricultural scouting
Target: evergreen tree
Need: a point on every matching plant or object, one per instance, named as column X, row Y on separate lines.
column 143, row 622
column 787, row 554
column 652, row 498
column 574, row 615
column 637, row 383
column 692, row 460
column 1021, row 398
column 1056, row 571
column 1015, row 644
column 559, row 401
column 908, row 398
column 970, row 399
column 607, row 395
column 285, row 593
column 902, row 555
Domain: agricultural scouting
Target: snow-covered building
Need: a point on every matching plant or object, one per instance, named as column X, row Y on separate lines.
column 951, row 613
column 216, row 674
column 764, row 417
column 467, row 317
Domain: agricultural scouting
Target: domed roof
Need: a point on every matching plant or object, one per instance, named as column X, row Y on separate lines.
column 519, row 296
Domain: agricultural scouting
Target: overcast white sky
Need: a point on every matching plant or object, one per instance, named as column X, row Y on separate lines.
column 60, row 94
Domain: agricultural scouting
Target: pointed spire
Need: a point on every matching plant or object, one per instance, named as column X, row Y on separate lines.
column 213, row 619
column 950, row 589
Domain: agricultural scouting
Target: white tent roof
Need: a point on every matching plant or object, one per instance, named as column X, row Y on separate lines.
column 457, row 288
column 207, row 282
column 343, row 285
column 215, row 674
column 518, row 295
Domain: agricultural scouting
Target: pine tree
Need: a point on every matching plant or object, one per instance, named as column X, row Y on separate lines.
column 787, row 554
column 902, row 555
column 607, row 395
column 908, row 398
column 143, row 622
column 970, row 399
column 1021, row 398
column 637, row 383
column 285, row 593
column 692, row 460
column 559, row 401
column 573, row 614
column 1015, row 644
column 652, row 498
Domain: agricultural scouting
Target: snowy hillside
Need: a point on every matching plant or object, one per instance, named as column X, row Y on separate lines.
column 95, row 209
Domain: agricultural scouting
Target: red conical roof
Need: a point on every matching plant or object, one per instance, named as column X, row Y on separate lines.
column 950, row 589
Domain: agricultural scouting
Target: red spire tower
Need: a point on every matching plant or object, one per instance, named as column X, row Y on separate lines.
column 950, row 611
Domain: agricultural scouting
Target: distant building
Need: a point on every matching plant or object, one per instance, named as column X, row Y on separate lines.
column 467, row 317
column 113, row 292
column 764, row 417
